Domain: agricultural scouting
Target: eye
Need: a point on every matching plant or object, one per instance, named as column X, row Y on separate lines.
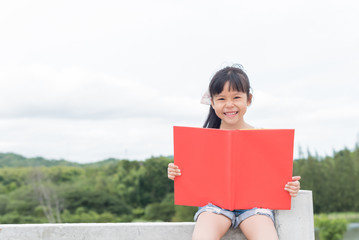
column 237, row 97
column 220, row 99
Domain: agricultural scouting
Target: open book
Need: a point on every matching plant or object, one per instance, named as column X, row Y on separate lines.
column 233, row 169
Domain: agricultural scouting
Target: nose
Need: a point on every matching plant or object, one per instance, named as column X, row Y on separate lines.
column 229, row 103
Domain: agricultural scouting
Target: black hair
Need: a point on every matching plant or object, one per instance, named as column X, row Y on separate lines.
column 238, row 81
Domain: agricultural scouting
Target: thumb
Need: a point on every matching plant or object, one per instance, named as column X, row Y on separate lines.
column 296, row 178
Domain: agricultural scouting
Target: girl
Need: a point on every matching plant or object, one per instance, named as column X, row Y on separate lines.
column 229, row 95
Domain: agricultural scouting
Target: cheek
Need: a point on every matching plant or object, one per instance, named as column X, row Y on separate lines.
column 218, row 111
column 217, row 106
column 243, row 107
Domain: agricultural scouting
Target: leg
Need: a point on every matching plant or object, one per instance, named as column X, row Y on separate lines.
column 211, row 226
column 259, row 227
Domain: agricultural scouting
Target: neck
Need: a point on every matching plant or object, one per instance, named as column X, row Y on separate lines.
column 241, row 125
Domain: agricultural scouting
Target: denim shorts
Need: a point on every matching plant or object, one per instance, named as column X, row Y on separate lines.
column 236, row 216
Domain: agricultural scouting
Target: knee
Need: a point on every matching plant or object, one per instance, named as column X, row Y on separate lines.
column 204, row 236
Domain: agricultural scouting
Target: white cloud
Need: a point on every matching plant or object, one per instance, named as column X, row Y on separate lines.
column 42, row 92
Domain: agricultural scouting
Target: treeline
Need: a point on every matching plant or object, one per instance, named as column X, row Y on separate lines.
column 109, row 191
column 127, row 191
column 334, row 180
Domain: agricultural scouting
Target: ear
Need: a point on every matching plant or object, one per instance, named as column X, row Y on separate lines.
column 212, row 103
column 249, row 100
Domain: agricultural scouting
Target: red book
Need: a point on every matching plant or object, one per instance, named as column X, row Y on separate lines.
column 233, row 169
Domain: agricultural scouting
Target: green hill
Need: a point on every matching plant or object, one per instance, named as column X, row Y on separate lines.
column 15, row 160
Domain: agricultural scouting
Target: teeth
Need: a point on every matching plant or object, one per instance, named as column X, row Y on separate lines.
column 231, row 113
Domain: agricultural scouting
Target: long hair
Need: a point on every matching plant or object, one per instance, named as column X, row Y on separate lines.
column 238, row 81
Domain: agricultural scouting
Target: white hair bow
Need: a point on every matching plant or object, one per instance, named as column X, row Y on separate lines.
column 206, row 98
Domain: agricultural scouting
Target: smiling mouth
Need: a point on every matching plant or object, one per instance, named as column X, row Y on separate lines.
column 230, row 114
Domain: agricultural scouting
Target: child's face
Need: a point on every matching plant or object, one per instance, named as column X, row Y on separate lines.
column 230, row 106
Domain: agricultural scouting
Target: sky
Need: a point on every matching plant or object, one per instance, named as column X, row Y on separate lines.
column 89, row 80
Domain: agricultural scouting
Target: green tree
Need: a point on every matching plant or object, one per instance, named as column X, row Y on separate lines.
column 162, row 211
column 154, row 184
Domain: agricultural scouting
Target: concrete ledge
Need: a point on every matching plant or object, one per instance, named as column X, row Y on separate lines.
column 294, row 224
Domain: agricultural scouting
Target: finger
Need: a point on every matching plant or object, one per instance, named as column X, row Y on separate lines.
column 293, row 194
column 172, row 175
column 292, row 190
column 173, row 168
column 169, row 170
column 296, row 178
column 293, row 184
column 172, row 165
column 291, row 187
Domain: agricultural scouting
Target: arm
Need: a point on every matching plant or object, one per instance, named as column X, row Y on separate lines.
column 294, row 186
column 173, row 171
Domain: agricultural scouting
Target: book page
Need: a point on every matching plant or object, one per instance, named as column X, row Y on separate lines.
column 203, row 157
column 263, row 162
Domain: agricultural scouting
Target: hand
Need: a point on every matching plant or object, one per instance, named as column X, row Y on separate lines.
column 173, row 171
column 293, row 187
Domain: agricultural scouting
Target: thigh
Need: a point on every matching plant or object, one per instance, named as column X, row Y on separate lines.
column 211, row 226
column 259, row 227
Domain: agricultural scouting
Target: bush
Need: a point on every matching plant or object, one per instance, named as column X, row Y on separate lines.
column 184, row 213
column 159, row 212
column 330, row 229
